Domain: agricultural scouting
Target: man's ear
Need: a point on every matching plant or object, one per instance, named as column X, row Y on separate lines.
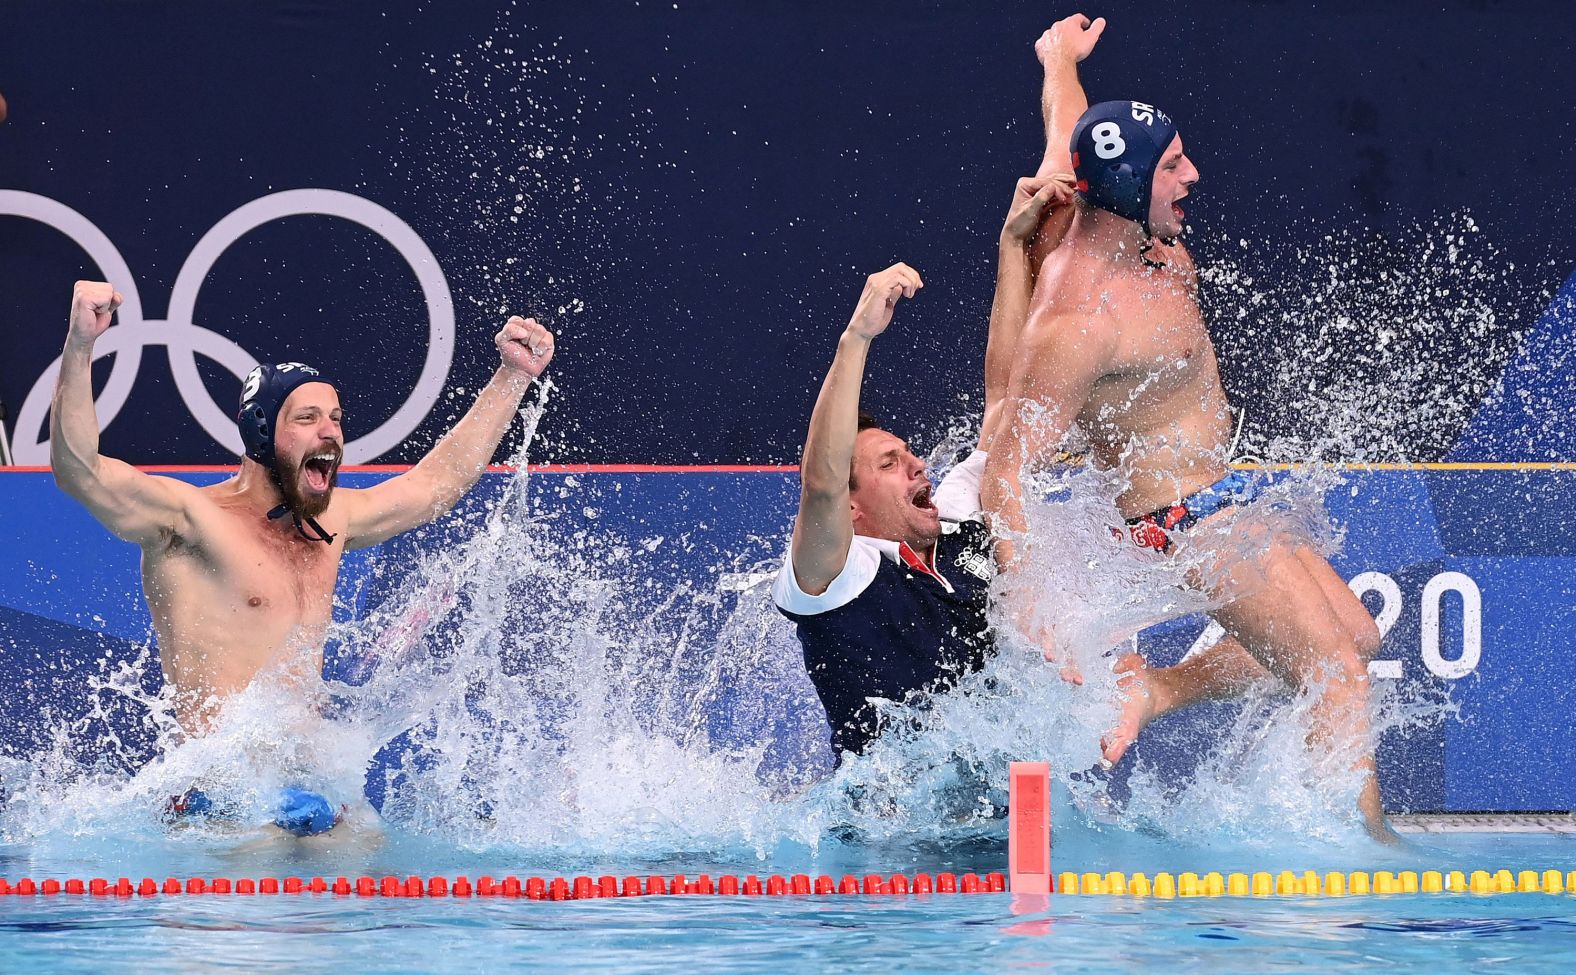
column 854, row 512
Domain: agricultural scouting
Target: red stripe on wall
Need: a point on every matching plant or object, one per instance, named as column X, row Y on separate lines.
column 492, row 468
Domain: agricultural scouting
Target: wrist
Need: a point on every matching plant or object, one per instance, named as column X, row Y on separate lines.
column 515, row 381
column 1011, row 245
column 852, row 337
column 79, row 347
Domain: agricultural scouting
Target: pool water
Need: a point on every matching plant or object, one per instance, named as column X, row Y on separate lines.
column 938, row 932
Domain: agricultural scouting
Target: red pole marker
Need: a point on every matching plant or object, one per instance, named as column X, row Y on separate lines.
column 946, row 883
column 123, row 887
column 147, row 888
column 632, row 887
column 268, row 885
column 558, row 890
column 414, row 887
column 583, row 888
column 923, row 884
column 656, row 885
column 27, row 888
column 728, row 886
column 752, row 886
column 776, row 886
column 293, row 885
column 438, row 887
column 318, row 885
column 172, row 885
column 49, row 887
column 872, row 883
column 342, row 886
column 72, row 887
column 1029, row 828
column 196, row 885
column 98, row 886
column 462, row 887
column 848, row 885
column 680, row 885
column 823, row 885
column 246, row 886
column 511, row 887
column 366, row 886
column 898, row 883
column 5, row 886
column 607, row 886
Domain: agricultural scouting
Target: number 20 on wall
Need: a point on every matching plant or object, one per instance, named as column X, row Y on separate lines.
column 1429, row 637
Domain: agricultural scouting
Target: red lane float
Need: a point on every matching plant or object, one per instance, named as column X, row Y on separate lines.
column 533, row 888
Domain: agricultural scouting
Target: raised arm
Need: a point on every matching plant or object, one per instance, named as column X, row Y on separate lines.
column 1060, row 358
column 135, row 506
column 825, row 527
column 1009, row 308
column 1062, row 98
column 441, row 479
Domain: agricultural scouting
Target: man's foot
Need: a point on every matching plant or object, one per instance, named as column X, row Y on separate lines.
column 1135, row 685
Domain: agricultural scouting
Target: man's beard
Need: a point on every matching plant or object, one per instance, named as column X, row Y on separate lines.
column 287, row 477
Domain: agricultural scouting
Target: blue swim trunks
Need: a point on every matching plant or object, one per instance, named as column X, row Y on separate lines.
column 296, row 811
column 1154, row 529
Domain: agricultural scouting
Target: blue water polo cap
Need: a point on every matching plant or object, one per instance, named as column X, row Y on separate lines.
column 1116, row 147
column 304, row 813
column 263, row 395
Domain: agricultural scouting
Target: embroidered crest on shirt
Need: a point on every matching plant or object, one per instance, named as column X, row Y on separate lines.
column 976, row 564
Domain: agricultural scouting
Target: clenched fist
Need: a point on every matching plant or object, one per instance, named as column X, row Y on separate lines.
column 525, row 345
column 93, row 304
column 1071, row 38
column 882, row 290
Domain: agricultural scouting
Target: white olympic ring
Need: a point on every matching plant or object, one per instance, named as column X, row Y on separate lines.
column 183, row 339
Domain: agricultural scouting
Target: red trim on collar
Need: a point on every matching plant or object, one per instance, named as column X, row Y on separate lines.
column 913, row 561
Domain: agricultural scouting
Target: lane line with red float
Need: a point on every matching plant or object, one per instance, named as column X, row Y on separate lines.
column 1029, row 859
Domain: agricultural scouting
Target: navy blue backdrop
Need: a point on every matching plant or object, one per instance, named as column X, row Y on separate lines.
column 691, row 193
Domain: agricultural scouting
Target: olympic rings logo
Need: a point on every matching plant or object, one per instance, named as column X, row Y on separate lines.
column 183, row 339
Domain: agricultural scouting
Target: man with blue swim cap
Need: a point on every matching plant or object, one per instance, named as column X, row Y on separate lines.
column 240, row 575
column 1115, row 344
column 887, row 580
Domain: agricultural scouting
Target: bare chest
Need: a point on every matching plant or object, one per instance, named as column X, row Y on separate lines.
column 1163, row 365
column 240, row 569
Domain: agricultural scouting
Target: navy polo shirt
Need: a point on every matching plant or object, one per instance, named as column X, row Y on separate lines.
column 891, row 624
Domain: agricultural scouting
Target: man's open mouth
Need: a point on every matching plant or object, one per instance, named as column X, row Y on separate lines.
column 1176, row 208
column 319, row 470
column 921, row 499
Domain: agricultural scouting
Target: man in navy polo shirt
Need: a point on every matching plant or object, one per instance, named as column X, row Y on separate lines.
column 888, row 598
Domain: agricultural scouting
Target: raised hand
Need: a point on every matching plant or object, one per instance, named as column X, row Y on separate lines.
column 1030, row 201
column 1070, row 38
column 883, row 290
column 525, row 345
column 93, row 304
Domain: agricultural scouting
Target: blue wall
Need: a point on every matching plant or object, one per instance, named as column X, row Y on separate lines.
column 69, row 596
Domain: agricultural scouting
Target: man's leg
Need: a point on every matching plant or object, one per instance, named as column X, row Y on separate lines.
column 1303, row 630
column 1221, row 671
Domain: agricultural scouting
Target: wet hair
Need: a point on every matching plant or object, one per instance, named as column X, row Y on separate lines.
column 866, row 422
